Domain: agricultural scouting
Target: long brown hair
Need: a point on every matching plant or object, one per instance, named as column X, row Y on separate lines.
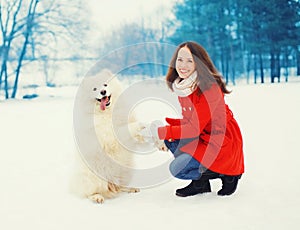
column 207, row 73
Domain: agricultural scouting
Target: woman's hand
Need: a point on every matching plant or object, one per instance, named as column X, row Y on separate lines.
column 149, row 134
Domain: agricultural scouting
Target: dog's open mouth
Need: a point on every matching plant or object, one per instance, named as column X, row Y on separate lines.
column 104, row 102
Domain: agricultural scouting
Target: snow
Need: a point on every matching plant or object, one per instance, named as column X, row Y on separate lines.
column 37, row 148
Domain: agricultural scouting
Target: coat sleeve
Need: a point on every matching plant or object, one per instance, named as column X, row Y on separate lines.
column 174, row 121
column 209, row 105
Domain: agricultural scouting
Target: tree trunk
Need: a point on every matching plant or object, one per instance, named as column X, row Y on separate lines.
column 275, row 67
column 261, row 66
column 248, row 67
column 222, row 62
column 298, row 61
column 4, row 72
column 278, row 66
column 272, row 68
column 286, row 65
column 232, row 60
column 4, row 56
column 15, row 87
column 29, row 25
column 255, row 68
column 7, row 36
column 226, row 68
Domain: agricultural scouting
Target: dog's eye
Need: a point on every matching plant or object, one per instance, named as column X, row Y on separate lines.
column 105, row 85
column 94, row 89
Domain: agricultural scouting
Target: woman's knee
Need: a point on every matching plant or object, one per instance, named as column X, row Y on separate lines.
column 173, row 168
column 180, row 165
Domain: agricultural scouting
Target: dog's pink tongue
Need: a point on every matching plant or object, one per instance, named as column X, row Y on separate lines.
column 103, row 103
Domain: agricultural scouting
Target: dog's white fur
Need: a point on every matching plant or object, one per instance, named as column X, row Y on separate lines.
column 103, row 166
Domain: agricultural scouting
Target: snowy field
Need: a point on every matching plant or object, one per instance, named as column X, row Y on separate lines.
column 37, row 147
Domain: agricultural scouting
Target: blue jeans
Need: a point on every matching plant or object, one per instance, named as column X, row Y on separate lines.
column 184, row 166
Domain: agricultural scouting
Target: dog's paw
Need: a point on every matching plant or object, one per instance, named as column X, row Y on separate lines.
column 97, row 198
column 110, row 146
column 161, row 145
column 133, row 190
column 135, row 131
column 130, row 190
column 139, row 138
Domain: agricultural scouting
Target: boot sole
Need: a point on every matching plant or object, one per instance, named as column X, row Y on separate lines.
column 185, row 195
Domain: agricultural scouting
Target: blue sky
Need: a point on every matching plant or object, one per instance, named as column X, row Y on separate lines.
column 107, row 14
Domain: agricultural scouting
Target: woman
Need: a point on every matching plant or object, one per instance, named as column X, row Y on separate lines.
column 206, row 141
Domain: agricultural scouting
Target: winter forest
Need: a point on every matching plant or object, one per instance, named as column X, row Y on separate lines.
column 254, row 40
column 49, row 47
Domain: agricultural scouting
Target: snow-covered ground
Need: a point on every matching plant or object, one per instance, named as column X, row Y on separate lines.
column 36, row 145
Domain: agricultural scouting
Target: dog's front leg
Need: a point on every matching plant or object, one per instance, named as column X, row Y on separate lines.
column 134, row 130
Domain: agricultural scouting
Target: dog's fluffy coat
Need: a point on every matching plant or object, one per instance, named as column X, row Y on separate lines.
column 103, row 165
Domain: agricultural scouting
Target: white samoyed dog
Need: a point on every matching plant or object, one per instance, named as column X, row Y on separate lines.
column 104, row 162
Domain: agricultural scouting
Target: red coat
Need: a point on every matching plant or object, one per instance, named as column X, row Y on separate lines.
column 218, row 145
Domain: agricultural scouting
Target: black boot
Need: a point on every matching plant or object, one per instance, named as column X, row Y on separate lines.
column 195, row 187
column 229, row 185
column 199, row 186
column 209, row 175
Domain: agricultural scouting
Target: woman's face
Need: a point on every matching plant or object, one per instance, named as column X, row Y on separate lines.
column 185, row 64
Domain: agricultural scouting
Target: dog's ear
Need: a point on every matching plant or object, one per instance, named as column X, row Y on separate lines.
column 88, row 90
column 106, row 72
column 104, row 76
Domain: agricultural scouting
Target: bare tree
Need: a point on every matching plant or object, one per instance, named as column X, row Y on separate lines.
column 27, row 33
column 8, row 25
column 38, row 31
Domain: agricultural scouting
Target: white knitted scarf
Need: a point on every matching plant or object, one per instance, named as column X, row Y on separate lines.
column 185, row 87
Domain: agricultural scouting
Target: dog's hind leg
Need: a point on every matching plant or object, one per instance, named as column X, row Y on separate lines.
column 130, row 190
column 97, row 198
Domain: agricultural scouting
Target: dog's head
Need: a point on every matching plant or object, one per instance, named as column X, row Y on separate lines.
column 103, row 96
column 100, row 91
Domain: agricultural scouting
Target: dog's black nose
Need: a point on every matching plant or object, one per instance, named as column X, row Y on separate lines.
column 103, row 92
